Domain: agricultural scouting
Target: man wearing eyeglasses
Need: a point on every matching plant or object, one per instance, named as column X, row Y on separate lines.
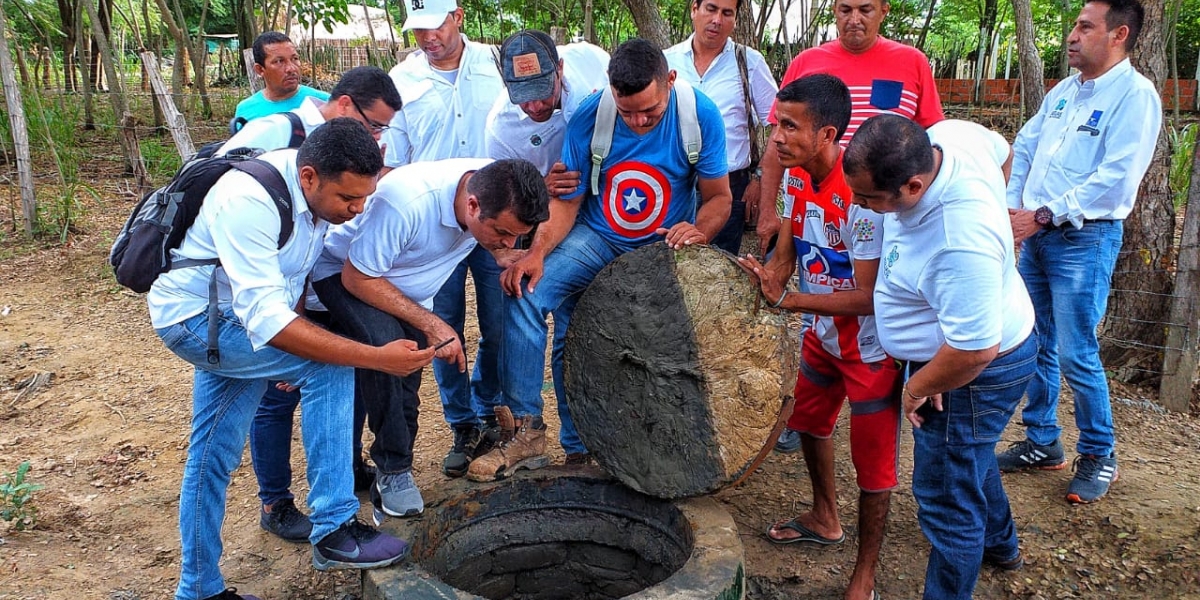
column 367, row 95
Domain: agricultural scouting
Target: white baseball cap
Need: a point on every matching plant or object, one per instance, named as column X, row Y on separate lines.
column 427, row 14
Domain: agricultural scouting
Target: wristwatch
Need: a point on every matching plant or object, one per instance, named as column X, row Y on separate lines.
column 1043, row 217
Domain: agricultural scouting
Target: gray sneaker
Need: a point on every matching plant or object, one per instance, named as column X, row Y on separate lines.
column 398, row 494
column 789, row 441
column 1093, row 475
column 1026, row 455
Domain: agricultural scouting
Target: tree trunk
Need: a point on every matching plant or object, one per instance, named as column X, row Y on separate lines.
column 589, row 21
column 987, row 24
column 649, row 22
column 1133, row 333
column 20, row 135
column 85, row 76
column 743, row 32
column 198, row 52
column 1033, row 86
column 67, row 15
column 925, row 28
column 371, row 48
column 1068, row 23
column 126, row 129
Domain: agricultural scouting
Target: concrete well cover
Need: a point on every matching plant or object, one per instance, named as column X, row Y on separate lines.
column 677, row 377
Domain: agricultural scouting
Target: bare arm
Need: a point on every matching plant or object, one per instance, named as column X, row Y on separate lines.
column 949, row 369
column 306, row 340
column 381, row 294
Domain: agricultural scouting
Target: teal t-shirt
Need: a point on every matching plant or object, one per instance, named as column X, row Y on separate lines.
column 258, row 106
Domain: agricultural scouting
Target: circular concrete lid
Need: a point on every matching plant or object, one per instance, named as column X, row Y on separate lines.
column 677, row 378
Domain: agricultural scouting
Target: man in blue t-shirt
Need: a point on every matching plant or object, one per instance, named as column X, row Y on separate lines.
column 648, row 190
column 278, row 63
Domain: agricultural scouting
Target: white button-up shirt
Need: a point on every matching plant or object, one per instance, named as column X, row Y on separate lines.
column 723, row 83
column 239, row 224
column 441, row 119
column 512, row 134
column 1085, row 151
column 273, row 132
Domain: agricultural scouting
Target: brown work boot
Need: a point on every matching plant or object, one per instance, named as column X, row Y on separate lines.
column 522, row 445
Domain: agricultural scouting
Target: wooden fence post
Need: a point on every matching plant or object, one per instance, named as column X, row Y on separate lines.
column 20, row 135
column 256, row 82
column 1183, row 329
column 175, row 120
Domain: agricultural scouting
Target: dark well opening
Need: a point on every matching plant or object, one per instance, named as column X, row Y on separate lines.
column 563, row 538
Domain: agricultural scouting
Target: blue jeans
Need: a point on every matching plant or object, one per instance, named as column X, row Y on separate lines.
column 567, row 272
column 961, row 504
column 1067, row 272
column 467, row 399
column 224, row 400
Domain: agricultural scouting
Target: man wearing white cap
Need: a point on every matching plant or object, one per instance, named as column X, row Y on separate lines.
column 448, row 87
column 545, row 83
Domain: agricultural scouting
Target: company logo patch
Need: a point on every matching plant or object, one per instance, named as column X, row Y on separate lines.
column 637, row 197
column 824, row 266
column 864, row 230
column 892, row 256
column 1093, row 123
column 535, row 140
column 1058, row 108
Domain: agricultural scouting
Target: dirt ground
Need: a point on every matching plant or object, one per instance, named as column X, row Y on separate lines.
column 106, row 437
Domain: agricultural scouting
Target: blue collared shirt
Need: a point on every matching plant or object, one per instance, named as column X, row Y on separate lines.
column 1084, row 153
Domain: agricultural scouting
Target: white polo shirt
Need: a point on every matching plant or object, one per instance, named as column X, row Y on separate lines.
column 408, row 233
column 273, row 132
column 948, row 273
column 239, row 224
column 723, row 83
column 511, row 133
column 1084, row 153
column 441, row 119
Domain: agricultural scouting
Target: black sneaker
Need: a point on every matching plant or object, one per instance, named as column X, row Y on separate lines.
column 285, row 521
column 356, row 545
column 1093, row 475
column 231, row 594
column 466, row 440
column 364, row 477
column 1026, row 455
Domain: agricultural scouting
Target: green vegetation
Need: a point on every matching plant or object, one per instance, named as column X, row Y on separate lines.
column 1183, row 145
column 54, row 131
column 16, row 499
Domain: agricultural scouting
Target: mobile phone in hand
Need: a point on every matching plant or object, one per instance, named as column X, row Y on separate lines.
column 443, row 344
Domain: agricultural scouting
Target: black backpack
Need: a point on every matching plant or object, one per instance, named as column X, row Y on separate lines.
column 142, row 250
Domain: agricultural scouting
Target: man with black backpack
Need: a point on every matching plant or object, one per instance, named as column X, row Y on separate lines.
column 367, row 95
column 256, row 335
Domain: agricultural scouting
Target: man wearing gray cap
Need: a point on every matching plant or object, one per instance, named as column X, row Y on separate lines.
column 448, row 86
column 545, row 85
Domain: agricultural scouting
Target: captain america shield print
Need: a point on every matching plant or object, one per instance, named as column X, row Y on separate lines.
column 637, row 198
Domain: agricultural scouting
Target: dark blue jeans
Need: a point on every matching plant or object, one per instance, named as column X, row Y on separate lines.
column 729, row 238
column 962, row 507
column 391, row 402
column 468, row 397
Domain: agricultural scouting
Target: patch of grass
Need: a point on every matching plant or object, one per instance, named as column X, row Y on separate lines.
column 16, row 499
column 55, row 126
column 161, row 157
column 1183, row 144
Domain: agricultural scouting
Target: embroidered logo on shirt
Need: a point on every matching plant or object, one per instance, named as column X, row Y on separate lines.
column 837, row 201
column 833, row 234
column 418, row 4
column 1093, row 123
column 892, row 255
column 536, row 140
column 864, row 230
column 1058, row 108
column 795, row 182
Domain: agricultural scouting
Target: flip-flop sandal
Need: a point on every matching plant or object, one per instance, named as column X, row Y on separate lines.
column 806, row 535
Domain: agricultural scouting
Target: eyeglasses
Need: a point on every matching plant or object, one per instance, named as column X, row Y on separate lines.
column 373, row 125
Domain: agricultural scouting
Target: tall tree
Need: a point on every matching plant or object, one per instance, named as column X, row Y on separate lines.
column 1033, row 88
column 126, row 125
column 1133, row 333
column 649, row 21
column 67, row 10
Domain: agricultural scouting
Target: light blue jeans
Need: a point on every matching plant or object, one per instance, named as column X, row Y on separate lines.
column 468, row 398
column 1067, row 272
column 224, row 400
column 567, row 272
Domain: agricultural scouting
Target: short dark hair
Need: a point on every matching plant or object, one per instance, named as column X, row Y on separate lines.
column 1124, row 12
column 510, row 184
column 634, row 64
column 696, row 4
column 365, row 85
column 826, row 98
column 266, row 39
column 341, row 145
column 892, row 149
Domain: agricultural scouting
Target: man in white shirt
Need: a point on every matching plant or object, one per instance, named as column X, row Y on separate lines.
column 545, row 85
column 1076, row 168
column 260, row 337
column 378, row 275
column 710, row 61
column 448, row 87
column 950, row 304
column 367, row 95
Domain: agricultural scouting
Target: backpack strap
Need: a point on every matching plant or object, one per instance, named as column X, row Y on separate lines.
column 739, row 52
column 602, row 134
column 298, row 131
column 689, row 123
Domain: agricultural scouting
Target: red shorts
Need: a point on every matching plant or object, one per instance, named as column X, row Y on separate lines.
column 873, row 389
